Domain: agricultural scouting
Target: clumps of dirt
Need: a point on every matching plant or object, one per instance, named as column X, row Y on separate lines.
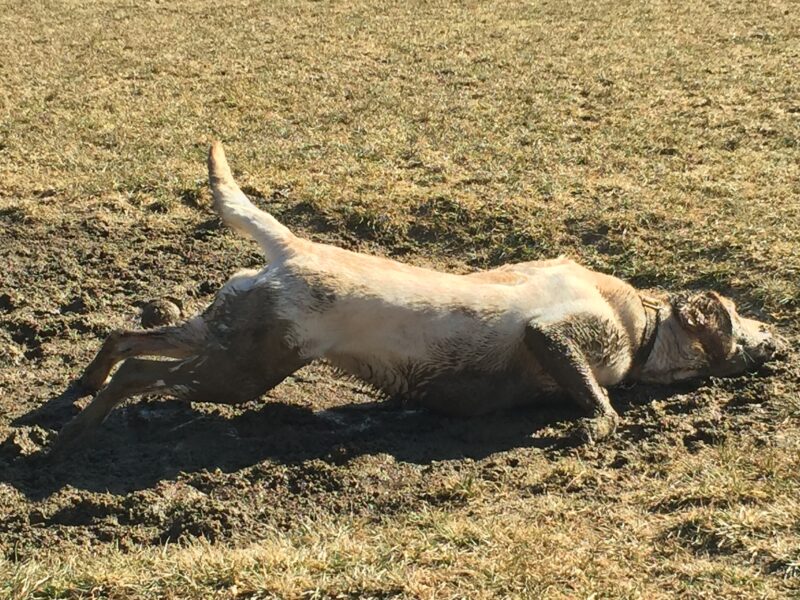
column 160, row 312
column 10, row 352
column 163, row 471
column 7, row 302
column 28, row 335
column 23, row 441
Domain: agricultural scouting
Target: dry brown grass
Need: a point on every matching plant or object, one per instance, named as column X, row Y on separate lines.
column 659, row 141
column 718, row 523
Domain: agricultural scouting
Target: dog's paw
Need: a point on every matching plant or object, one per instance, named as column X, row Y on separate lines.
column 597, row 429
column 90, row 382
column 69, row 437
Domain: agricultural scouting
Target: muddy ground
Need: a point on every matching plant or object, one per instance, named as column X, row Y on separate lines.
column 160, row 470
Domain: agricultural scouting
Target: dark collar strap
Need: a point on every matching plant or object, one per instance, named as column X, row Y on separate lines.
column 652, row 313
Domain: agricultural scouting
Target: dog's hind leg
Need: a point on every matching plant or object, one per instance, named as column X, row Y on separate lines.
column 134, row 377
column 214, row 375
column 180, row 341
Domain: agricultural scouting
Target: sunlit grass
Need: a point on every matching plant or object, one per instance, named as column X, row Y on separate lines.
column 657, row 141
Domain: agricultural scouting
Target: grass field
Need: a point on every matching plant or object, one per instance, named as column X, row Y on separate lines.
column 657, row 141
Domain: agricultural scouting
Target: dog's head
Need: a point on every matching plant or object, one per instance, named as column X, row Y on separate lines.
column 706, row 337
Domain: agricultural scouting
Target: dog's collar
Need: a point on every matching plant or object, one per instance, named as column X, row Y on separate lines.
column 652, row 314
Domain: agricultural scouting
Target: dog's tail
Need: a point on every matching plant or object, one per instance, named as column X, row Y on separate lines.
column 240, row 214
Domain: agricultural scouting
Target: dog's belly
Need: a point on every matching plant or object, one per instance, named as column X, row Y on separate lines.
column 469, row 393
column 403, row 358
column 468, row 389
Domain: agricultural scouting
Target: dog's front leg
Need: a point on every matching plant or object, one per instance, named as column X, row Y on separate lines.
column 565, row 362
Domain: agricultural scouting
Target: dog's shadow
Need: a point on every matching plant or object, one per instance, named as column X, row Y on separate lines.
column 154, row 440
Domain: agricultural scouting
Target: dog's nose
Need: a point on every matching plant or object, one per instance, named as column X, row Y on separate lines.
column 769, row 347
column 760, row 340
column 778, row 344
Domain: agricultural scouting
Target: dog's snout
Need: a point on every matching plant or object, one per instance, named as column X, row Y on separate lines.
column 778, row 344
column 768, row 346
column 757, row 339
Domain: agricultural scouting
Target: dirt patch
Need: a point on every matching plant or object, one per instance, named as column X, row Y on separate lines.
column 160, row 470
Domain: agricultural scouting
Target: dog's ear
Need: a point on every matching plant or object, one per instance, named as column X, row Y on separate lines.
column 707, row 317
column 703, row 312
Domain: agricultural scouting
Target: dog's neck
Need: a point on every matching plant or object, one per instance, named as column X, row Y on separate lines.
column 674, row 354
column 652, row 320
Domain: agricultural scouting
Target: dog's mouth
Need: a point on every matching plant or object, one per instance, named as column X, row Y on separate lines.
column 757, row 341
column 754, row 345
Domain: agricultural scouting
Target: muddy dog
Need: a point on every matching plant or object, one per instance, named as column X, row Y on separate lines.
column 461, row 344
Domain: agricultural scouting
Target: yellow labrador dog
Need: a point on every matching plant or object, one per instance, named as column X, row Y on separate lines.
column 462, row 344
